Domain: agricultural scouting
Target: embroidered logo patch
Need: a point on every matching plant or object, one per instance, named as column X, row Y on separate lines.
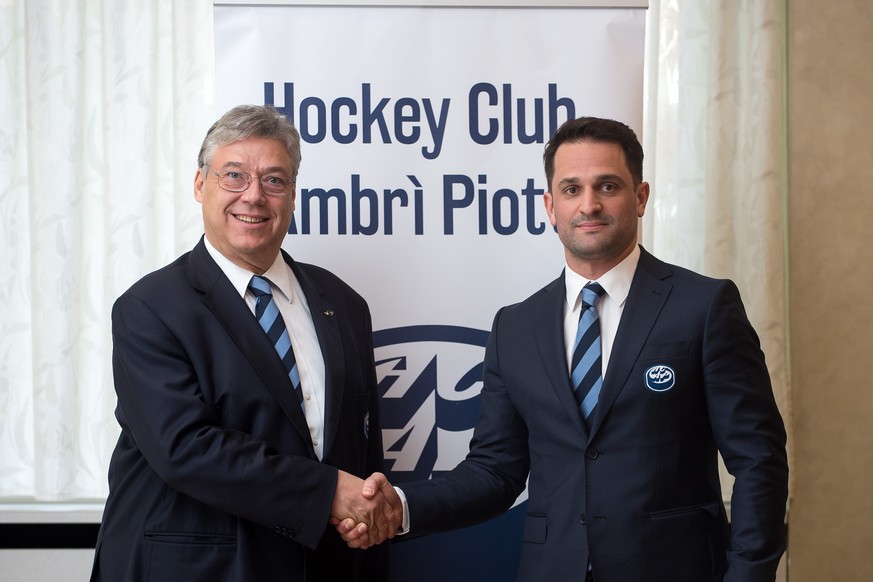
column 660, row 378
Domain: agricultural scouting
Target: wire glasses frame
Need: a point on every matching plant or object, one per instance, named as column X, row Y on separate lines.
column 235, row 181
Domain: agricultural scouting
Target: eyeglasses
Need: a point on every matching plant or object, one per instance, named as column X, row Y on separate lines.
column 272, row 184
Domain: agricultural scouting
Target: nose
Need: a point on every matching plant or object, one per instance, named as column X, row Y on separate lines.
column 589, row 202
column 254, row 192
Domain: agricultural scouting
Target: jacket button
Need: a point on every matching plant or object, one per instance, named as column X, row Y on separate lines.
column 583, row 519
column 592, row 454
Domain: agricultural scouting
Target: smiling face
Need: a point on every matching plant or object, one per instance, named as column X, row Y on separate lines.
column 246, row 227
column 594, row 205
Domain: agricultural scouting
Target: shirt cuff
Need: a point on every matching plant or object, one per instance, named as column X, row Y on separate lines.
column 404, row 527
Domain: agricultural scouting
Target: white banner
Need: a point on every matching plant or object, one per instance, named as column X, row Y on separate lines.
column 422, row 178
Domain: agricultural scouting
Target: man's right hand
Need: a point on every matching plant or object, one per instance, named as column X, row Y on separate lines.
column 365, row 513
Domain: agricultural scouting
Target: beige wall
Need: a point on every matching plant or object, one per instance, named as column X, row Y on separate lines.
column 830, row 100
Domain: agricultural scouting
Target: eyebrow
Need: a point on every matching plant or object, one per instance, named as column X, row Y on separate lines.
column 269, row 170
column 598, row 178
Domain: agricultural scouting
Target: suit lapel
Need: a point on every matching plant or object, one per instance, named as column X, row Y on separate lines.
column 230, row 309
column 549, row 332
column 326, row 322
column 649, row 291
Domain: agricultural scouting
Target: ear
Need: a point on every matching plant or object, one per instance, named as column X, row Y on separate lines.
column 293, row 196
column 199, row 183
column 642, row 198
column 549, row 203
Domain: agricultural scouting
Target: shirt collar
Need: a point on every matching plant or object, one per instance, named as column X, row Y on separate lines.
column 616, row 282
column 279, row 273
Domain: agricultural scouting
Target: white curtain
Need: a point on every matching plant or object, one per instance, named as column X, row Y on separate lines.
column 102, row 108
column 716, row 146
column 103, row 104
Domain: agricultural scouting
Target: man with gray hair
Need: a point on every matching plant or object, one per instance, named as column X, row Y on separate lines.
column 246, row 393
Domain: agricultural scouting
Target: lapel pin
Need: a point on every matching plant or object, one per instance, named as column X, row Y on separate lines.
column 328, row 312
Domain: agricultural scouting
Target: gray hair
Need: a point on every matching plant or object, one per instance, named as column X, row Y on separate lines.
column 246, row 121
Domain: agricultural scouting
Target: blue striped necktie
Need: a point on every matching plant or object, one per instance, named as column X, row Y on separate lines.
column 586, row 367
column 267, row 314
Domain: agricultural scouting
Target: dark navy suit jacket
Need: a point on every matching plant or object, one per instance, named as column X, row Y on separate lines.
column 638, row 495
column 214, row 477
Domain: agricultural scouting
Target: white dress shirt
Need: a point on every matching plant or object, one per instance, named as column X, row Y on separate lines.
column 291, row 302
column 616, row 282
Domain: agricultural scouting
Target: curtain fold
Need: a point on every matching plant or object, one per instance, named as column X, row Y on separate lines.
column 715, row 137
column 102, row 111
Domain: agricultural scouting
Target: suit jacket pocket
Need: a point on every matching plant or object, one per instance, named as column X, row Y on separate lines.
column 189, row 556
column 711, row 508
column 665, row 350
column 536, row 527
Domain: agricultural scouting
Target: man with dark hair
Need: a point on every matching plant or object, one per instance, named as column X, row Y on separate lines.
column 246, row 393
column 611, row 391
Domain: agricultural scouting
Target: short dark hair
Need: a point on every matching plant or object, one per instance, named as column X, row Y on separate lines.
column 596, row 130
column 246, row 121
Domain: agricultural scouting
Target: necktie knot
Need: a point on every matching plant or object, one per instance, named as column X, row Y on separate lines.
column 260, row 286
column 591, row 294
column 264, row 304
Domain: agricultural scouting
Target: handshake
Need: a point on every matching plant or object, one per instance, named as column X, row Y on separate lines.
column 365, row 513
